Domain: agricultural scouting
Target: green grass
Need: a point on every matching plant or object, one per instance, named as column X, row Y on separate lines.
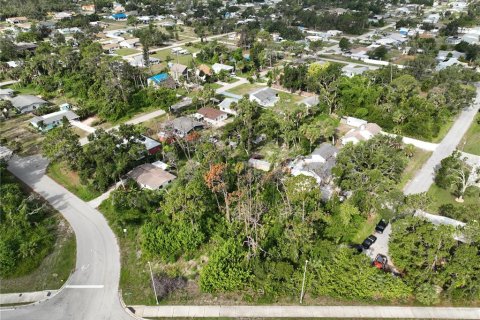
column 18, row 133
column 471, row 140
column 55, row 267
column 441, row 197
column 126, row 51
column 415, row 163
column 134, row 274
column 213, row 86
column 290, row 97
column 368, row 228
column 182, row 58
column 245, row 88
column 443, row 131
column 71, row 181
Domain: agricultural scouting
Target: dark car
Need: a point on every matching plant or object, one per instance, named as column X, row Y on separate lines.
column 381, row 226
column 369, row 241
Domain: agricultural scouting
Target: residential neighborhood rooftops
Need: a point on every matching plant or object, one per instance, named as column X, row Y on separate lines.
column 325, row 150
column 150, row 176
column 266, row 97
column 54, row 117
column 211, row 113
column 24, row 101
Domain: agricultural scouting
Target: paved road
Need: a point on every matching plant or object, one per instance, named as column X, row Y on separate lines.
column 92, row 290
column 373, row 312
column 424, row 178
column 6, row 83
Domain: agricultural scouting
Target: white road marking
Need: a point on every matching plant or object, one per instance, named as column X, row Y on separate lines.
column 9, row 309
column 84, row 286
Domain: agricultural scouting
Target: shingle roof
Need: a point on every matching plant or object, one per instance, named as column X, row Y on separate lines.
column 150, row 176
column 266, row 95
column 25, row 100
column 210, row 113
column 325, row 150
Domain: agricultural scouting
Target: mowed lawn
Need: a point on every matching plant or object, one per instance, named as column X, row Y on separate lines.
column 71, row 181
column 246, row 88
column 180, row 58
column 17, row 132
column 471, row 141
column 126, row 51
column 441, row 197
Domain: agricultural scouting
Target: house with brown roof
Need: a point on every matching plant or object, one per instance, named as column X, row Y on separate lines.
column 203, row 72
column 149, row 176
column 110, row 47
column 363, row 133
column 211, row 115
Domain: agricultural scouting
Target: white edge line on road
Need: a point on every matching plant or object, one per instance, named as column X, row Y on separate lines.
column 84, row 286
column 6, row 309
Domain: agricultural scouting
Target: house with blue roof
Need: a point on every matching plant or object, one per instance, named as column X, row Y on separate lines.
column 162, row 80
column 118, row 16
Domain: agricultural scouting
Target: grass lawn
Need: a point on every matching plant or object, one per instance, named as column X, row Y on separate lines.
column 416, row 162
column 18, row 132
column 368, row 228
column 135, row 280
column 290, row 97
column 245, row 88
column 443, row 131
column 440, row 197
column 180, row 58
column 126, row 51
column 213, row 86
column 471, row 140
column 71, row 181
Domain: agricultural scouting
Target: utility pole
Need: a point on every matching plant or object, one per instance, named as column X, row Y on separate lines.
column 303, row 282
column 153, row 283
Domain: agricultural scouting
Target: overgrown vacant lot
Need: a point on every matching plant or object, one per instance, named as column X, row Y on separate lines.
column 70, row 180
column 28, row 221
column 17, row 132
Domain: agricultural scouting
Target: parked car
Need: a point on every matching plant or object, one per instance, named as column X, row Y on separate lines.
column 380, row 261
column 381, row 226
column 369, row 241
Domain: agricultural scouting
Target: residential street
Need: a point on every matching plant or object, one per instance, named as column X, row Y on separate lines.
column 424, row 178
column 92, row 291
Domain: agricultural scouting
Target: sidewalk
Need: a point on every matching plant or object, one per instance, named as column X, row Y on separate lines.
column 373, row 312
column 25, row 297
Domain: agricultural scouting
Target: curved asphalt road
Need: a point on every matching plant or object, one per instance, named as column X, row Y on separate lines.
column 97, row 271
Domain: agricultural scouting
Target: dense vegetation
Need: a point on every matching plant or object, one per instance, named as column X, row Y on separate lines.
column 106, row 157
column 26, row 227
column 100, row 84
column 410, row 102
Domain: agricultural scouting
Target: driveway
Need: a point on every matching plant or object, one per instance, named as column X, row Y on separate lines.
column 92, row 290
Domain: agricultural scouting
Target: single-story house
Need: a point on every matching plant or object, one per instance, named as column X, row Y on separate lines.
column 62, row 15
column 203, row 71
column 259, row 164
column 138, row 61
column 179, row 127
column 16, row 20
column 471, row 38
column 110, row 47
column 152, row 146
column 317, row 165
column 118, row 16
column 227, row 104
column 179, row 106
column 352, row 70
column 453, row 40
column 217, row 67
column 266, row 97
column 49, row 121
column 363, row 133
column 130, row 43
column 211, row 115
column 444, row 55
column 6, row 93
column 26, row 103
column 450, row 62
column 149, row 176
column 354, row 122
column 177, row 70
column 310, row 101
column 162, row 80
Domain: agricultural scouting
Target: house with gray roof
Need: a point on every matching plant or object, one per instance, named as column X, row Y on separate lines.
column 179, row 127
column 317, row 165
column 27, row 103
column 266, row 97
column 49, row 121
column 310, row 101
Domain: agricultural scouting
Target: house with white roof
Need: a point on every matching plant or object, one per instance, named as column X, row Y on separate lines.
column 49, row 121
column 227, row 105
column 217, row 67
column 317, row 165
column 266, row 97
column 363, row 133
